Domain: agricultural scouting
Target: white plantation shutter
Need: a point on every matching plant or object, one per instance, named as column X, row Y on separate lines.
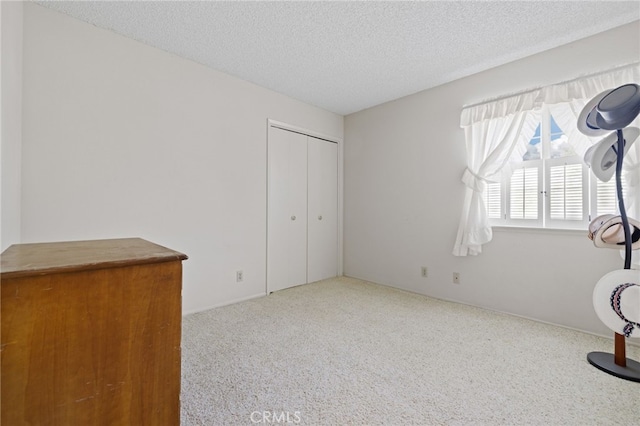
column 524, row 194
column 607, row 201
column 493, row 200
column 567, row 192
column 606, row 196
column 565, row 197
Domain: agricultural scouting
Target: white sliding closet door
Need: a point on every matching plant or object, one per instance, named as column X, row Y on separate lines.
column 322, row 196
column 302, row 209
column 287, row 210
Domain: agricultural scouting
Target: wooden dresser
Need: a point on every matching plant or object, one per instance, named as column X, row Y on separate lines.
column 91, row 333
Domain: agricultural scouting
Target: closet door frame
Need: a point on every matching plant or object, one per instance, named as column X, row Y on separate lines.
column 292, row 128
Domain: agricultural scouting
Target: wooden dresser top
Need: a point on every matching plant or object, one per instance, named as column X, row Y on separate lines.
column 43, row 258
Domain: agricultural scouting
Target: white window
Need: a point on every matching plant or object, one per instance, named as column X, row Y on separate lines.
column 550, row 186
column 604, row 196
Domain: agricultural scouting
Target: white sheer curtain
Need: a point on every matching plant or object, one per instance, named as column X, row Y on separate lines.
column 493, row 131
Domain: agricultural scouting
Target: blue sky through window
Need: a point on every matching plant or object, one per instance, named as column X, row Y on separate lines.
column 559, row 143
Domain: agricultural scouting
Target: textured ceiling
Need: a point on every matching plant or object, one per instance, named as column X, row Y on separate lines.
column 348, row 56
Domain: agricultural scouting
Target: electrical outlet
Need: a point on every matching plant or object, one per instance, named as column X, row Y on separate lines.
column 456, row 277
column 425, row 272
column 239, row 276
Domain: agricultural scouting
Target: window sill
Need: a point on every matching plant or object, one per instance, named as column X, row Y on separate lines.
column 532, row 230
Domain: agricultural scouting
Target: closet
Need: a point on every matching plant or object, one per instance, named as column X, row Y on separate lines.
column 302, row 209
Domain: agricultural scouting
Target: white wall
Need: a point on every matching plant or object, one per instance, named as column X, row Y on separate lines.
column 11, row 122
column 403, row 196
column 122, row 140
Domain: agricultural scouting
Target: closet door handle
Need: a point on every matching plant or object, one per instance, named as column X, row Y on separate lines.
column 320, row 217
column 293, row 218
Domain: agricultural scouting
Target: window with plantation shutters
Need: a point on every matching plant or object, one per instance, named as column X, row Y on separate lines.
column 528, row 152
column 550, row 187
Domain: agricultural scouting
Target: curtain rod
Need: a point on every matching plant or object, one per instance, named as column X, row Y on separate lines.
column 499, row 98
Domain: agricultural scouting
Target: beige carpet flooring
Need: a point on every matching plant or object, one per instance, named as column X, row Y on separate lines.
column 348, row 352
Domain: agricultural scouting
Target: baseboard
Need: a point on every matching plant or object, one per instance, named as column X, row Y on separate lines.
column 227, row 303
column 629, row 341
